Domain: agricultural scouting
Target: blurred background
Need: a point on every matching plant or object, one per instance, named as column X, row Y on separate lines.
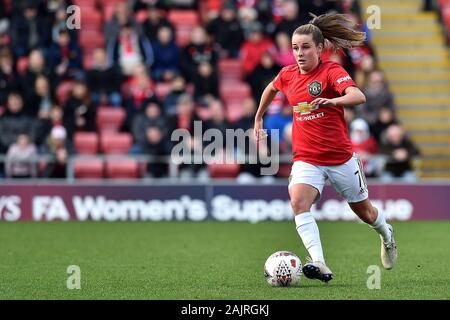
column 93, row 93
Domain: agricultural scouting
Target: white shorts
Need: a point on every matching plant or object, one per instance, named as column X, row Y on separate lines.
column 347, row 179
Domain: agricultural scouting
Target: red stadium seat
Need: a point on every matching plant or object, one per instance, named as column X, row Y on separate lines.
column 182, row 35
column 234, row 111
column 110, row 118
column 88, row 168
column 141, row 16
column 91, row 39
column 184, row 21
column 22, row 64
column 284, row 170
column 224, row 170
column 116, row 143
column 91, row 19
column 230, row 69
column 86, row 142
column 234, row 91
column 63, row 91
column 183, row 17
column 108, row 11
column 124, row 168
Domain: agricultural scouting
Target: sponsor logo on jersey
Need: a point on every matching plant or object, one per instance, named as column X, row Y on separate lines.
column 343, row 79
column 304, row 108
column 315, row 88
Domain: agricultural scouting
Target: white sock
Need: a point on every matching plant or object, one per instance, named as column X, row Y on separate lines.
column 309, row 233
column 381, row 227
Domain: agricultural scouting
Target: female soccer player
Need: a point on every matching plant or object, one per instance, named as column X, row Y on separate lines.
column 317, row 92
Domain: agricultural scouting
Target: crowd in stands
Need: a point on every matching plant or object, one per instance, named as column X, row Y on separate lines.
column 159, row 66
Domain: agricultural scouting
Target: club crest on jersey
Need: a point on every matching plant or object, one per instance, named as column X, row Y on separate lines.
column 315, row 88
column 304, row 108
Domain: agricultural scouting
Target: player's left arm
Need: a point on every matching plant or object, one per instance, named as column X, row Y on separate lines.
column 352, row 97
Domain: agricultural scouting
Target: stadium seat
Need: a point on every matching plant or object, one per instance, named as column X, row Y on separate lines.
column 91, row 19
column 85, row 3
column 88, row 168
column 116, row 143
column 86, row 142
column 183, row 35
column 108, row 11
column 224, row 170
column 234, row 111
column 234, row 92
column 183, row 17
column 91, row 39
column 230, row 69
column 63, row 91
column 122, row 168
column 110, row 118
column 184, row 21
column 22, row 64
column 141, row 16
column 284, row 170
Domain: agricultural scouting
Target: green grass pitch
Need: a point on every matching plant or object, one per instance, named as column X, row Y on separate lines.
column 213, row 260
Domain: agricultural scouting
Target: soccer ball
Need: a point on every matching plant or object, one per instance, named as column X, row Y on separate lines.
column 283, row 269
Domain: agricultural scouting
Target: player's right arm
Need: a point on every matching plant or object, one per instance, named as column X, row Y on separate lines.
column 266, row 98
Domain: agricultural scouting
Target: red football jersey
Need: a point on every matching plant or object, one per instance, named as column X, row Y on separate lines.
column 319, row 133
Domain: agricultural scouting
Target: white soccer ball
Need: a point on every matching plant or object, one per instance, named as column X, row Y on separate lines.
column 283, row 269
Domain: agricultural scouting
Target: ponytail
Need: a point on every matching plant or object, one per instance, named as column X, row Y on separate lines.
column 336, row 28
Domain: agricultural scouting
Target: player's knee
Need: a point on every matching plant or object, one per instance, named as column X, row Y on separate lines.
column 300, row 205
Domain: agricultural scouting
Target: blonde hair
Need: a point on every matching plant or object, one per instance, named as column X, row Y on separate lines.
column 338, row 29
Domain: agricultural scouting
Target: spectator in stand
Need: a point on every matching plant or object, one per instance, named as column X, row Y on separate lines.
column 120, row 18
column 140, row 89
column 57, row 147
column 283, row 55
column 14, row 122
column 226, row 32
column 386, row 118
column 45, row 125
column 65, row 57
column 366, row 67
column 349, row 116
column 247, row 17
column 291, row 19
column 263, row 74
column 206, row 83
column 79, row 111
column 152, row 116
column 104, row 80
column 166, row 55
column 157, row 144
column 42, row 99
column 60, row 23
column 254, row 47
column 377, row 95
column 278, row 121
column 177, row 89
column 9, row 79
column 29, row 30
column 20, row 159
column 36, row 67
column 365, row 145
column 185, row 118
column 399, row 150
column 129, row 49
column 155, row 20
column 217, row 119
column 197, row 50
